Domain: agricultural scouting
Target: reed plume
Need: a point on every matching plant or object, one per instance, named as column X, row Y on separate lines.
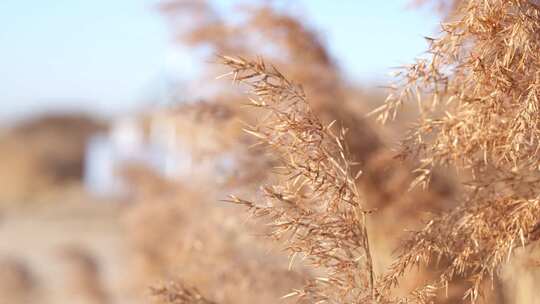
column 177, row 293
column 477, row 93
column 315, row 208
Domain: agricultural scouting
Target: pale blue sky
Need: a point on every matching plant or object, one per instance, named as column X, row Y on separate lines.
column 109, row 55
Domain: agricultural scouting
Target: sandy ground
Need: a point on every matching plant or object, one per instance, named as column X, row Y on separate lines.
column 57, row 243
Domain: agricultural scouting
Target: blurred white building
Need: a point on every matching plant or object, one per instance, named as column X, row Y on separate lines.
column 177, row 144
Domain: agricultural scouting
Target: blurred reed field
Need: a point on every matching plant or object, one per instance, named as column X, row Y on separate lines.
column 287, row 182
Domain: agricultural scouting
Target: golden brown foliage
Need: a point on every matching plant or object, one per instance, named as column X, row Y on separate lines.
column 385, row 180
column 478, row 97
column 282, row 38
column 317, row 209
column 477, row 92
column 178, row 293
column 287, row 42
column 182, row 232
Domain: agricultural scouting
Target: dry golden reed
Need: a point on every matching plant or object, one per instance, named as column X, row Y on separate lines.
column 177, row 293
column 477, row 96
column 481, row 82
column 477, row 93
column 316, row 208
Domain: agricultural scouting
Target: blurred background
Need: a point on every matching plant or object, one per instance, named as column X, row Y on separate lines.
column 106, row 58
column 117, row 140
